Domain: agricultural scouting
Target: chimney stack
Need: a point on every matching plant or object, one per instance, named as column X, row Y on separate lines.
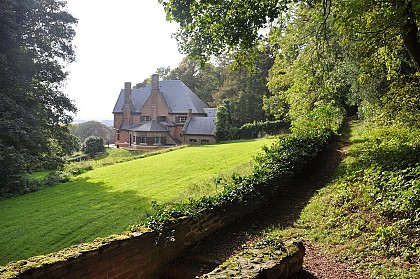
column 155, row 83
column 189, row 115
column 127, row 93
column 127, row 108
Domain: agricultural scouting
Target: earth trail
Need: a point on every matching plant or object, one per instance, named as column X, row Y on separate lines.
column 282, row 212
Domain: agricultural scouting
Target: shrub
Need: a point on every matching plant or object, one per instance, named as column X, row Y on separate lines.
column 253, row 130
column 93, row 145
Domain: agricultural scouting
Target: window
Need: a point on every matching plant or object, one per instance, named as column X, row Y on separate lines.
column 118, row 134
column 143, row 138
column 145, row 118
column 205, row 141
column 182, row 119
column 162, row 118
column 158, row 138
column 192, row 141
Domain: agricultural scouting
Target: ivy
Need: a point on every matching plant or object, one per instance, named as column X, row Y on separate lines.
column 273, row 170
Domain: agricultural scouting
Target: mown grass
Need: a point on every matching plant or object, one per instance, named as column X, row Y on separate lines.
column 107, row 200
column 369, row 215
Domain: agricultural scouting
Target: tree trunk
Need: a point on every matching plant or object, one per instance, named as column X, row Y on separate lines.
column 409, row 34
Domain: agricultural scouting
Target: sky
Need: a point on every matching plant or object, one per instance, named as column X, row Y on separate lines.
column 116, row 42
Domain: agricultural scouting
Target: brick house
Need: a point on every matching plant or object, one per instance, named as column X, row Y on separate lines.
column 163, row 113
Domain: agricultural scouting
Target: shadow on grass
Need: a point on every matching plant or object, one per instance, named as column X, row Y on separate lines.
column 63, row 215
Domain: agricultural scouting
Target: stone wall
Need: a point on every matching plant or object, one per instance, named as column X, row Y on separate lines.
column 130, row 255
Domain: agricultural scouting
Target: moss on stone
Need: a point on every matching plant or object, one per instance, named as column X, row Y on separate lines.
column 250, row 262
column 14, row 269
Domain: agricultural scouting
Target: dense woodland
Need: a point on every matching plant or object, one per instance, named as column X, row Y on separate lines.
column 360, row 55
column 309, row 62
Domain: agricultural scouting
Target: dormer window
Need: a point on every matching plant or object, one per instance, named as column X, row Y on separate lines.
column 145, row 118
column 182, row 119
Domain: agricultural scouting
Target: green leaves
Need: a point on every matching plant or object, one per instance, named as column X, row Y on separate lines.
column 212, row 27
column 35, row 46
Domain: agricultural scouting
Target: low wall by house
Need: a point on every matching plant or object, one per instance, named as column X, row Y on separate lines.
column 130, row 255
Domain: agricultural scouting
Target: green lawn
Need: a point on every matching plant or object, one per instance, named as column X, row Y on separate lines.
column 106, row 200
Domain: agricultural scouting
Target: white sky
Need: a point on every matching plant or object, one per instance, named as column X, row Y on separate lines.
column 116, row 41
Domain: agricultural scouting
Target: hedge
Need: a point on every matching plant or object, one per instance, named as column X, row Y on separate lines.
column 252, row 130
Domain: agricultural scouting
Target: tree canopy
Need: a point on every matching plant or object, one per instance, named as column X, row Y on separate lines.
column 357, row 53
column 92, row 128
column 35, row 46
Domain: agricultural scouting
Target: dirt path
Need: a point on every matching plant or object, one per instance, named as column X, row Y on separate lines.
column 282, row 211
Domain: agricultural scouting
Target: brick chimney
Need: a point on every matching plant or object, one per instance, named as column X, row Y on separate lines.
column 128, row 105
column 155, row 83
column 154, row 95
column 127, row 93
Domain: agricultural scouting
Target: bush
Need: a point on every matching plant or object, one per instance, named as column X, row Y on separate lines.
column 93, row 145
column 273, row 170
column 253, row 130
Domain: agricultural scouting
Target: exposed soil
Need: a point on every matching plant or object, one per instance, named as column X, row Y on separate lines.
column 282, row 211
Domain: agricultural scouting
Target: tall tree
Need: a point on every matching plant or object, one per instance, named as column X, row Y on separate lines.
column 35, row 46
column 350, row 52
column 212, row 27
column 92, row 128
column 246, row 88
column 203, row 80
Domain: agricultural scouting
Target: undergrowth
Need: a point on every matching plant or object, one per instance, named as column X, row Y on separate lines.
column 369, row 214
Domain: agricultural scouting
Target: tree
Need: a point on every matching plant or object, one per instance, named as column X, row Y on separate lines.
column 212, row 27
column 246, row 88
column 93, row 145
column 91, row 128
column 340, row 53
column 222, row 118
column 203, row 79
column 35, row 46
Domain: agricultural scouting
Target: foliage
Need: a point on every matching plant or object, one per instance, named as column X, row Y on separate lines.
column 35, row 46
column 253, row 130
column 222, row 118
column 93, row 146
column 92, row 128
column 203, row 80
column 350, row 54
column 210, row 28
column 274, row 168
column 368, row 215
column 245, row 88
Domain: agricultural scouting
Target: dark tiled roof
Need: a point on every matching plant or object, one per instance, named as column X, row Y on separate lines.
column 151, row 126
column 201, row 126
column 177, row 95
column 211, row 112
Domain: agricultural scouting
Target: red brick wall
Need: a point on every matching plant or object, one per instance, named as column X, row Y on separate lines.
column 155, row 106
column 186, row 139
column 134, row 255
column 117, row 120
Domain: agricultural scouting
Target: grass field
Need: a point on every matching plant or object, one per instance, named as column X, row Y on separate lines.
column 107, row 200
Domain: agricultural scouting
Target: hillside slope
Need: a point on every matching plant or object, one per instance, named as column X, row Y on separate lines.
column 109, row 199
